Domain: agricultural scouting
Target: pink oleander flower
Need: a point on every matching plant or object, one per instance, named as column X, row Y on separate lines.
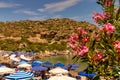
column 100, row 16
column 97, row 37
column 84, row 31
column 117, row 46
column 105, row 15
column 97, row 17
column 81, row 31
column 73, row 37
column 108, row 3
column 83, row 50
column 108, row 28
column 103, row 60
column 99, row 55
column 85, row 40
column 73, row 46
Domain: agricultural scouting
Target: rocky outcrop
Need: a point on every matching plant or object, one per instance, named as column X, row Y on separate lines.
column 51, row 34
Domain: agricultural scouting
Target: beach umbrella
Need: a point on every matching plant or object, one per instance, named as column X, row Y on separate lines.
column 1, row 65
column 47, row 64
column 6, row 55
column 36, row 63
column 20, row 75
column 90, row 74
column 75, row 65
column 61, row 77
column 14, row 53
column 38, row 68
column 30, row 53
column 58, row 70
column 66, row 67
column 14, row 58
column 25, row 58
column 22, row 62
column 72, row 67
column 24, row 65
column 83, row 73
column 58, row 65
column 6, row 70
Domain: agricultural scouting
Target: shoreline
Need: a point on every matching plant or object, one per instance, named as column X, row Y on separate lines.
column 41, row 54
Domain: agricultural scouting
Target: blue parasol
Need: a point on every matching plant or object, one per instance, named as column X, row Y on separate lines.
column 36, row 63
column 47, row 64
column 22, row 61
column 1, row 65
column 75, row 65
column 38, row 68
column 83, row 73
column 58, row 65
column 72, row 67
column 19, row 75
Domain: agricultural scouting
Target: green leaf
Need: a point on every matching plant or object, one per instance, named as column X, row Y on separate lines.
column 111, row 35
column 96, row 77
column 110, row 47
column 102, row 45
column 117, row 14
column 74, row 57
column 93, row 44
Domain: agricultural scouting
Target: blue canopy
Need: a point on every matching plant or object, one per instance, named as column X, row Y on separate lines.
column 72, row 66
column 1, row 65
column 75, row 65
column 36, row 63
column 58, row 65
column 31, row 52
column 14, row 52
column 19, row 75
column 22, row 61
column 38, row 68
column 47, row 64
column 83, row 73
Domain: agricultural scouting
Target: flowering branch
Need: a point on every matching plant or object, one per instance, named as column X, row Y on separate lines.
column 102, row 51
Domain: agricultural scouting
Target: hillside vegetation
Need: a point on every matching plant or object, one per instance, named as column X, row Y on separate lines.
column 51, row 34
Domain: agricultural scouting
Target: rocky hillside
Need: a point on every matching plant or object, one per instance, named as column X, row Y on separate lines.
column 51, row 34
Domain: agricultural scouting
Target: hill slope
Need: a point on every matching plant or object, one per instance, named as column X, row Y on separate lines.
column 39, row 35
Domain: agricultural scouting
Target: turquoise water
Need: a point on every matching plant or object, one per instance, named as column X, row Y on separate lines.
column 66, row 59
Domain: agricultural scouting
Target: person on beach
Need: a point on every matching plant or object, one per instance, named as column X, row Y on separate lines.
column 43, row 75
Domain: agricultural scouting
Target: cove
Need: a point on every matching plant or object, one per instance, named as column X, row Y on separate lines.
column 65, row 59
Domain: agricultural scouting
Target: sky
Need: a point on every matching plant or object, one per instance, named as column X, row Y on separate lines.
column 80, row 10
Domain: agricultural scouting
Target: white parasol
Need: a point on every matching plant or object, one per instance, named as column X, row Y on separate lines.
column 62, row 77
column 14, row 58
column 58, row 70
column 23, row 57
column 6, row 70
column 24, row 65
